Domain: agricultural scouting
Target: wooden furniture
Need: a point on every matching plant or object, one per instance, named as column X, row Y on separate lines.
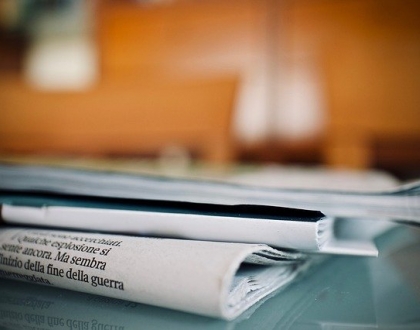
column 150, row 94
column 120, row 118
column 368, row 55
column 181, row 37
column 131, row 111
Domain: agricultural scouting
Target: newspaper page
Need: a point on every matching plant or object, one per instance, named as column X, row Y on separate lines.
column 208, row 278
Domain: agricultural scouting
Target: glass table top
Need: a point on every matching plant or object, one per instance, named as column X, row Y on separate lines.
column 339, row 293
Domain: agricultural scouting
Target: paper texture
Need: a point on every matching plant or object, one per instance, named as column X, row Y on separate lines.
column 208, row 278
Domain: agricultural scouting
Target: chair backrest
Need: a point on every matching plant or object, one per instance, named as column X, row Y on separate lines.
column 120, row 118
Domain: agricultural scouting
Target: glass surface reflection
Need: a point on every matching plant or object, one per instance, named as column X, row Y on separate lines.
column 340, row 293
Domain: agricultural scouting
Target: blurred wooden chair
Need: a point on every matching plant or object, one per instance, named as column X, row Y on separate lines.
column 373, row 80
column 145, row 100
column 120, row 117
column 367, row 53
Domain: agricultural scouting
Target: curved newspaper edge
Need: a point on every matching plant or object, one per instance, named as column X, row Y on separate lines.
column 324, row 231
column 258, row 275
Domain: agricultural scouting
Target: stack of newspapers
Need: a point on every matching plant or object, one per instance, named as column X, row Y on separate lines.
column 206, row 247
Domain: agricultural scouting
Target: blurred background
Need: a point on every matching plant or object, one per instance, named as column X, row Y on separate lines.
column 313, row 82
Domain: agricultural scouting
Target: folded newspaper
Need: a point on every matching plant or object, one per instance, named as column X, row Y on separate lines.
column 208, row 278
column 212, row 263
